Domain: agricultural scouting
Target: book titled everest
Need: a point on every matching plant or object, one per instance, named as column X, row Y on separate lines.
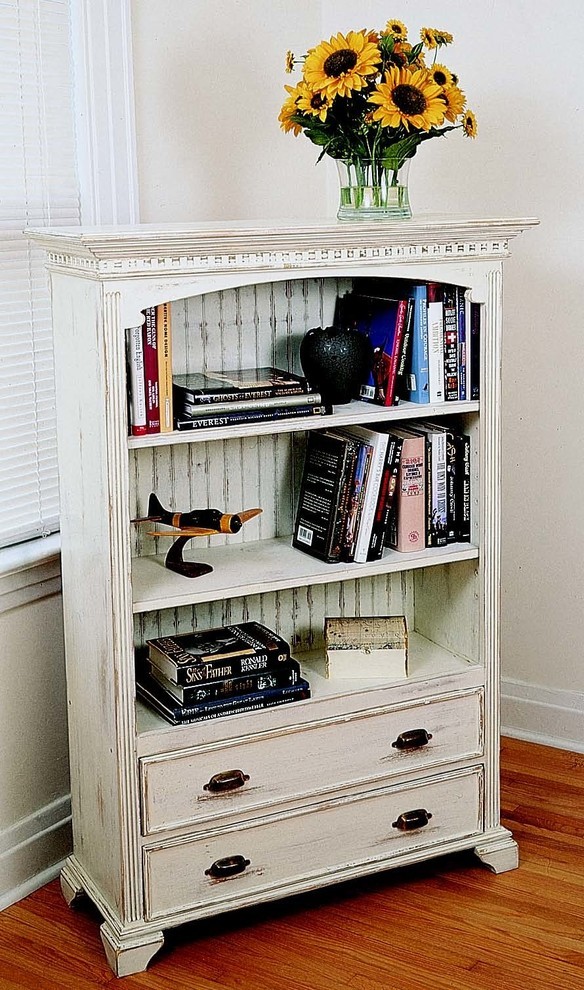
column 150, row 691
column 366, row 646
column 224, row 651
column 211, row 419
column 241, row 383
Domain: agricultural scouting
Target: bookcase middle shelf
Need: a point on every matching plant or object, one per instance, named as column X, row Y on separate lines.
column 263, row 566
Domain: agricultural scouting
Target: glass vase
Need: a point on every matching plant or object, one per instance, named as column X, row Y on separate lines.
column 371, row 191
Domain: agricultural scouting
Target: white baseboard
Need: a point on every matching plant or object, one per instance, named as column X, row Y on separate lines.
column 33, row 850
column 543, row 715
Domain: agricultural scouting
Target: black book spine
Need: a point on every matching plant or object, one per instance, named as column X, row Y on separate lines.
column 252, row 416
column 204, row 396
column 389, row 514
column 178, row 714
column 403, row 368
column 464, row 490
column 229, row 687
column 451, row 483
column 475, row 351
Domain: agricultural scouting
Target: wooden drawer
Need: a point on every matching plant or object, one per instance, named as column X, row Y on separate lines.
column 321, row 843
column 312, row 759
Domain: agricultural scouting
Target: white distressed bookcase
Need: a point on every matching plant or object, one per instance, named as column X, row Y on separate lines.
column 328, row 780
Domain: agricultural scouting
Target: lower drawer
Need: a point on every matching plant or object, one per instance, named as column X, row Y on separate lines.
column 239, row 864
column 178, row 788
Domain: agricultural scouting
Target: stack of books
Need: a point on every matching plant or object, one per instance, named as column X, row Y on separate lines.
column 364, row 489
column 246, row 395
column 191, row 677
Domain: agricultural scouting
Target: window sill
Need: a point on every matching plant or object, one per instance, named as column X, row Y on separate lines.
column 29, row 572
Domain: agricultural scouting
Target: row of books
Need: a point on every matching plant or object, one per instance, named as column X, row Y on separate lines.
column 425, row 338
column 149, row 360
column 196, row 676
column 366, row 489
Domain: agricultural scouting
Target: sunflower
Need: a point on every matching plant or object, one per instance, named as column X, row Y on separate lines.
column 433, row 38
column 290, row 107
column 469, row 124
column 441, row 75
column 408, row 98
column 397, row 29
column 455, row 101
column 314, row 103
column 342, row 64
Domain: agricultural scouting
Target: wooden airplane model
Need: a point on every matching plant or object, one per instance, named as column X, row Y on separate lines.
column 185, row 525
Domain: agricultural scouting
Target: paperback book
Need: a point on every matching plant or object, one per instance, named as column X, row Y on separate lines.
column 243, row 383
column 280, row 675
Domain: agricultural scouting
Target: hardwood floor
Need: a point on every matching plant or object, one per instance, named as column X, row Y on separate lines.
column 445, row 925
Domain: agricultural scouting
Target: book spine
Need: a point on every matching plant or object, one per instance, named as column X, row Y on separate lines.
column 135, row 349
column 191, row 409
column 438, row 518
column 164, row 348
column 461, row 302
column 464, row 489
column 337, row 541
column 386, row 492
column 410, row 530
column 255, row 701
column 351, row 531
column 389, row 513
column 435, row 342
column 370, row 498
column 391, row 397
column 253, row 416
column 419, row 365
column 450, row 345
column 281, row 676
column 213, row 670
column 401, row 385
column 151, row 371
column 202, row 397
column 451, row 481
column 475, row 350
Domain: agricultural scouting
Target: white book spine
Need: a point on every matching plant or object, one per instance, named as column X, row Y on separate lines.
column 379, row 442
column 436, row 351
column 137, row 380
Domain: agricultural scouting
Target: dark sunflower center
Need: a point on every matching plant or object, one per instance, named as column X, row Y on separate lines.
column 408, row 99
column 342, row 61
column 318, row 101
column 440, row 78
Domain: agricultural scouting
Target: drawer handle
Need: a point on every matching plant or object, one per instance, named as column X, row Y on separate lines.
column 409, row 820
column 228, row 780
column 412, row 739
column 227, row 867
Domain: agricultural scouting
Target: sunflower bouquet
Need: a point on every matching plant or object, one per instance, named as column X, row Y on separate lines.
column 369, row 100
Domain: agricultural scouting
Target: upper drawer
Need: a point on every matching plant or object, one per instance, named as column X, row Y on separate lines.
column 287, row 765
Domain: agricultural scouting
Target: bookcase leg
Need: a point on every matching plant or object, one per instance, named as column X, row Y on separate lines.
column 499, row 854
column 132, row 954
column 71, row 888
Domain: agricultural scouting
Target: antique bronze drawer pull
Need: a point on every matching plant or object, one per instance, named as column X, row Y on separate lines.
column 228, row 780
column 412, row 739
column 409, row 820
column 227, row 867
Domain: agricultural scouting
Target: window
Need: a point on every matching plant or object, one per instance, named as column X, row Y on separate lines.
column 38, row 186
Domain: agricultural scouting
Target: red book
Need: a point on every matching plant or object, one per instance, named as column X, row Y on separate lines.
column 150, row 337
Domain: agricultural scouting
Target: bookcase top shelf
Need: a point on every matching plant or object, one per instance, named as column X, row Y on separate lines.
column 154, row 249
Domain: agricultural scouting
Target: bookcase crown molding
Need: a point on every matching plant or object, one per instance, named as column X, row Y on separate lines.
column 121, row 251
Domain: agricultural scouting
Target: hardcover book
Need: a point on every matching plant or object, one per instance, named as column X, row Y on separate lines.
column 211, row 419
column 170, row 709
column 211, row 654
column 382, row 321
column 150, row 337
column 451, row 367
column 163, row 329
column 242, row 383
column 419, row 364
column 435, row 342
column 280, row 675
column 367, row 646
column 319, row 516
column 408, row 526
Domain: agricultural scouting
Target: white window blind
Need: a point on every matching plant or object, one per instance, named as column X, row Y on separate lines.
column 38, row 187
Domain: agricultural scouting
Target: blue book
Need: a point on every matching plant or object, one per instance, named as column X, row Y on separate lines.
column 418, row 383
column 381, row 321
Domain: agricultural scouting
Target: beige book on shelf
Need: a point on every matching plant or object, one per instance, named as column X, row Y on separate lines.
column 366, row 646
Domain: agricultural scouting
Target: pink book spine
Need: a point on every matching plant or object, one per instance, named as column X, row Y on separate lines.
column 151, row 371
column 411, row 498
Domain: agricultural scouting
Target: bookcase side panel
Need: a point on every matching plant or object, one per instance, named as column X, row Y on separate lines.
column 95, row 570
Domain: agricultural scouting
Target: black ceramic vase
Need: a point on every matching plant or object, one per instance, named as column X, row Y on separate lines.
column 336, row 362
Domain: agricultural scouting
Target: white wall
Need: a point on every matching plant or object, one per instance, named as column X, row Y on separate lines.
column 209, row 84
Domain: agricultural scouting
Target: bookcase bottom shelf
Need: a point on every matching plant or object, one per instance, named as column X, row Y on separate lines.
column 432, row 670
